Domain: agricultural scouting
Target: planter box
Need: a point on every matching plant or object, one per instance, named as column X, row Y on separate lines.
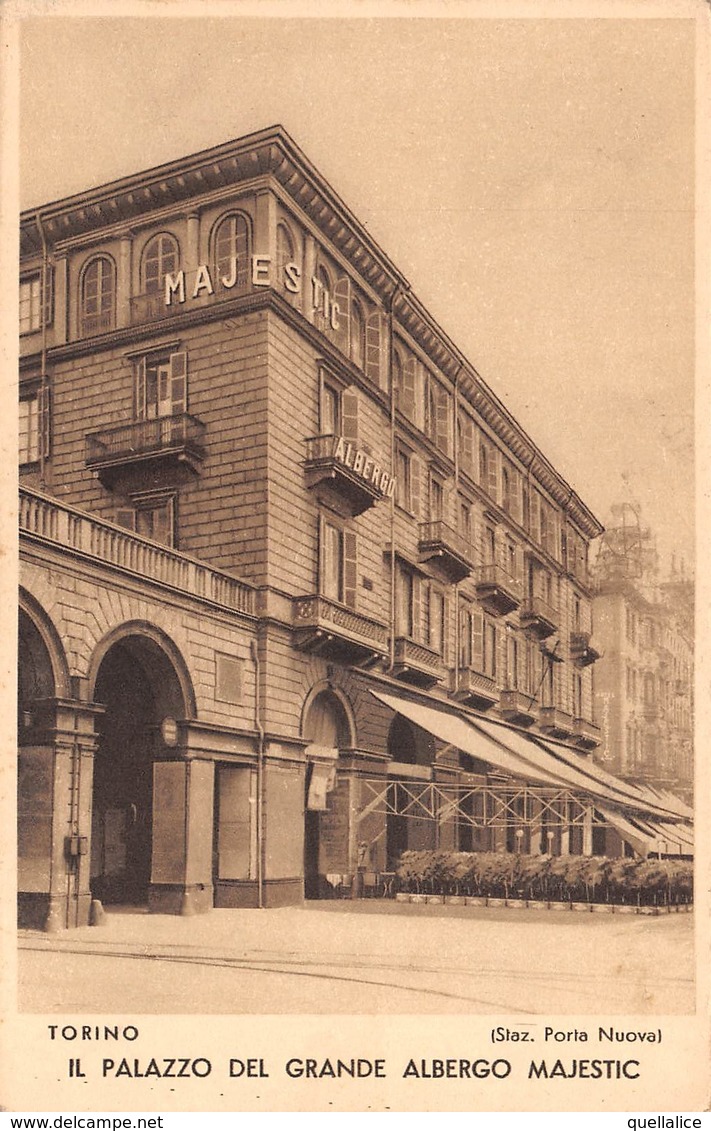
column 537, row 904
column 402, row 897
column 644, row 910
column 496, row 902
column 418, row 898
column 457, row 900
column 476, row 901
column 515, row 902
column 582, row 906
column 434, row 899
column 558, row 905
column 623, row 908
column 606, row 908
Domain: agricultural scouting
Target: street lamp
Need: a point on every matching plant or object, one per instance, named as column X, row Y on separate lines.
column 550, row 837
column 519, row 838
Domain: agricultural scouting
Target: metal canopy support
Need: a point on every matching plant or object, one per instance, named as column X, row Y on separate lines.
column 480, row 806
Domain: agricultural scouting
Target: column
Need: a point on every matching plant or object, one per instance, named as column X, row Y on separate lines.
column 124, row 280
column 181, row 869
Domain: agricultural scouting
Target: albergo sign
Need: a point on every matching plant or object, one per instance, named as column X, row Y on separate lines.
column 364, row 466
column 261, row 276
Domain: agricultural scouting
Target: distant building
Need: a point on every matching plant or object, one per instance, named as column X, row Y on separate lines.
column 644, row 682
column 297, row 592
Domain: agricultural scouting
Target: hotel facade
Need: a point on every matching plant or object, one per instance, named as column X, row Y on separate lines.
column 297, row 591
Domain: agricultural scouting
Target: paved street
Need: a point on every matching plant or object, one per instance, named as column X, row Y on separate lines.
column 370, row 957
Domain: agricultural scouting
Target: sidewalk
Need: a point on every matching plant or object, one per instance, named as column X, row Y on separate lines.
column 362, row 957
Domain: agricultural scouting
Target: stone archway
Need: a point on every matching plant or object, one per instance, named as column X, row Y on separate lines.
column 138, row 768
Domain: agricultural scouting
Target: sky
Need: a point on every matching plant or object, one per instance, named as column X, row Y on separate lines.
column 532, row 178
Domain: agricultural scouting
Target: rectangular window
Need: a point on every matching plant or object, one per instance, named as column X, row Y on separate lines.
column 29, row 430
column 405, row 598
column 403, row 479
column 465, row 520
column 330, row 411
column 490, row 545
column 436, row 499
column 511, row 562
column 153, row 518
column 332, row 579
column 435, row 617
column 490, row 649
column 161, row 387
column 465, row 637
column 30, row 304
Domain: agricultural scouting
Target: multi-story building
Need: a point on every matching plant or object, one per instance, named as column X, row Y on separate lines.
column 296, row 587
column 644, row 682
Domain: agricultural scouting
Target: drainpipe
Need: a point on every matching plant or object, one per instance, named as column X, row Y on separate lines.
column 254, row 648
column 43, row 355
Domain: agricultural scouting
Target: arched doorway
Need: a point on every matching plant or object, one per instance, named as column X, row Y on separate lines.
column 408, row 745
column 142, row 697
column 327, row 729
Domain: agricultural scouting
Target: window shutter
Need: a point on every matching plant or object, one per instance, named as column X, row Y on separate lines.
column 48, row 312
column 515, row 486
column 349, row 416
column 417, row 617
column 178, row 383
column 415, row 479
column 493, row 484
column 342, row 295
column 535, row 518
column 464, row 636
column 442, row 430
column 446, row 635
column 44, row 407
column 350, row 569
column 163, row 523
column 126, row 517
column 141, row 390
column 467, row 452
column 407, row 392
column 375, row 347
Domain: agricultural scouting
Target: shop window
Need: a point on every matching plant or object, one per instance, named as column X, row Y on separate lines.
column 338, row 568
column 160, row 258
column 97, row 307
column 152, row 516
column 232, row 248
column 31, row 301
column 161, row 386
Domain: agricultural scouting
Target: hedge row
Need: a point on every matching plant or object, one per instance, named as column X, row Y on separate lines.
column 594, row 879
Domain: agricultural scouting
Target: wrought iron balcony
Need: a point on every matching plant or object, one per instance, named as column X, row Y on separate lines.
column 555, row 722
column 475, row 689
column 497, row 590
column 97, row 323
column 345, row 476
column 582, row 650
column 416, row 663
column 586, row 734
column 332, row 630
column 443, row 546
column 518, row 707
column 152, row 307
column 165, row 439
column 539, row 618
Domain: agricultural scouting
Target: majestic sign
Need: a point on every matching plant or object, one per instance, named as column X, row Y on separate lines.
column 261, row 276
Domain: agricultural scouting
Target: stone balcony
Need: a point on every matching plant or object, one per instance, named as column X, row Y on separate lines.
column 497, row 591
column 164, row 443
column 586, row 734
column 539, row 618
column 343, row 476
column 443, row 547
column 475, row 689
column 582, row 649
column 336, row 632
column 555, row 722
column 518, row 707
column 416, row 663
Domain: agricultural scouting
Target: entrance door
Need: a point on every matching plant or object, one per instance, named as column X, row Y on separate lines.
column 123, row 781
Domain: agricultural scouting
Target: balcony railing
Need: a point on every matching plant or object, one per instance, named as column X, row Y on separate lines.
column 344, row 474
column 586, row 734
column 416, row 663
column 497, row 590
column 582, row 649
column 475, row 688
column 539, row 617
column 97, row 323
column 173, row 438
column 518, row 707
column 442, row 545
column 337, row 632
column 555, row 722
column 56, row 523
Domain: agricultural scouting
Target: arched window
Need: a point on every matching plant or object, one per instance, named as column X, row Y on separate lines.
column 98, row 296
column 160, row 258
column 357, row 335
column 232, row 248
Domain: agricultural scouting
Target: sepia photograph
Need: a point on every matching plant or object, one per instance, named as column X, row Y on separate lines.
column 356, row 557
